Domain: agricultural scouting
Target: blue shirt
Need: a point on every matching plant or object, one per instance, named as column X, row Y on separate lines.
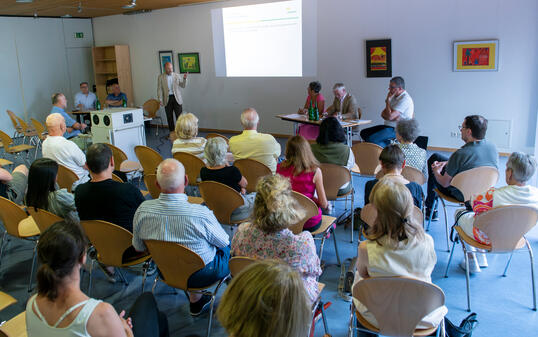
column 120, row 97
column 172, row 218
column 69, row 121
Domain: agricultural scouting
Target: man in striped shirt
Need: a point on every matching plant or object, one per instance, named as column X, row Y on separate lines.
column 172, row 218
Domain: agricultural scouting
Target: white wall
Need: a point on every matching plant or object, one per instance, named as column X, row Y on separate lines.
column 422, row 33
column 37, row 58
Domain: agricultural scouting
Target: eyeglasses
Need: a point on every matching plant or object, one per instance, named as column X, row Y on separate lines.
column 461, row 127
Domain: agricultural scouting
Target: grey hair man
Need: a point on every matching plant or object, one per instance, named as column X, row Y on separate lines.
column 251, row 144
column 344, row 104
column 169, row 85
column 172, row 218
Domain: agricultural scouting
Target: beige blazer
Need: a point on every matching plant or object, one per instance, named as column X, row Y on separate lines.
column 348, row 108
column 162, row 87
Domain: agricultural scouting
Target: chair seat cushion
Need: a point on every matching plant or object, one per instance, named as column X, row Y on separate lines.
column 28, row 228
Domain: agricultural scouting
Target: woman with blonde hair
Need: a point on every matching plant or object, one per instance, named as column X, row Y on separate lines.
column 396, row 245
column 302, row 169
column 186, row 133
column 266, row 299
column 268, row 236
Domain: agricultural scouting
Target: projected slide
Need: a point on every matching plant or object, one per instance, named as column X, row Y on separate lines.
column 263, row 40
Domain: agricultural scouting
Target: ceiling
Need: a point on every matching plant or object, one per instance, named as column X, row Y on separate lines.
column 90, row 8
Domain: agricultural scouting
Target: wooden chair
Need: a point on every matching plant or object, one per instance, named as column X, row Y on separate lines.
column 43, row 219
column 6, row 300
column 18, row 129
column 334, row 177
column 222, row 200
column 28, row 131
column 469, row 183
column 66, row 177
column 369, row 215
column 150, row 108
column 5, row 162
column 150, row 182
column 409, row 173
column 238, row 263
column 192, row 165
column 324, row 231
column 252, row 170
column 176, row 264
column 41, row 134
column 367, row 158
column 121, row 163
column 213, row 135
column 19, row 225
column 148, row 158
column 15, row 327
column 110, row 242
column 14, row 150
column 398, row 305
column 116, row 178
column 505, row 227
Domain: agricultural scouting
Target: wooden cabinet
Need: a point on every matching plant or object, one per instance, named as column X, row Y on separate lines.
column 113, row 62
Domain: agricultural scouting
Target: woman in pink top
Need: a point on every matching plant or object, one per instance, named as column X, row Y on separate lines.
column 307, row 130
column 302, row 169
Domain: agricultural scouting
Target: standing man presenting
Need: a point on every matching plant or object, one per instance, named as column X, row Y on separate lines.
column 169, row 94
column 398, row 105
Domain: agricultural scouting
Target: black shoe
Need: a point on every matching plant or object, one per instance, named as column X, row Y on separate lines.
column 435, row 216
column 201, row 306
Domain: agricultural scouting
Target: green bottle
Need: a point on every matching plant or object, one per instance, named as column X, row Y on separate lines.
column 310, row 112
column 97, row 104
column 123, row 102
column 316, row 112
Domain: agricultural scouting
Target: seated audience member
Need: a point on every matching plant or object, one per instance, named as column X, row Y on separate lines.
column 476, row 152
column 268, row 236
column 520, row 168
column 392, row 162
column 186, row 132
column 63, row 151
column 172, row 218
column 103, row 198
column 314, row 99
column 42, row 192
column 302, row 169
column 60, row 308
column 85, row 99
column 13, row 185
column 116, row 97
column 218, row 170
column 251, row 144
column 331, row 147
column 344, row 104
column 267, row 299
column 396, row 245
column 73, row 128
column 407, row 132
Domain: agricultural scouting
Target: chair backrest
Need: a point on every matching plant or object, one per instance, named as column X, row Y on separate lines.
column 23, row 124
column 66, row 177
column 238, row 263
column 252, row 170
column 475, row 181
column 213, row 135
column 398, row 303
column 175, row 262
column 6, row 300
column 148, row 158
column 506, row 225
column 11, row 215
column 422, row 142
column 39, row 127
column 6, row 140
column 15, row 327
column 414, row 175
column 309, row 207
column 116, row 178
column 43, row 219
column 118, row 155
column 109, row 240
column 150, row 182
column 369, row 214
column 151, row 106
column 334, row 176
column 221, row 199
column 13, row 119
column 192, row 165
column 367, row 157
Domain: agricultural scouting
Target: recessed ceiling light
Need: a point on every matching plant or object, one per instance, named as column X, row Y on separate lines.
column 24, row 1
column 67, row 16
column 131, row 5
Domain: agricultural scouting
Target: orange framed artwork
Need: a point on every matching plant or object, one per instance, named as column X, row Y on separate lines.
column 378, row 58
column 476, row 55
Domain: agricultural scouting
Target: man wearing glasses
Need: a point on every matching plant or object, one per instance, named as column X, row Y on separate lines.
column 85, row 99
column 476, row 152
column 398, row 105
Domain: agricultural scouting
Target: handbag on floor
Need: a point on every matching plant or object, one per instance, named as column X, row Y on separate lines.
column 465, row 329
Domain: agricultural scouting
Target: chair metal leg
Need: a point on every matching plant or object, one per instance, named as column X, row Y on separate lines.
column 352, row 212
column 320, row 254
column 351, row 327
column 336, row 246
column 90, row 282
column 431, row 213
column 210, row 315
column 2, row 246
column 325, row 326
column 446, row 225
column 34, row 255
column 508, row 263
column 531, row 255
column 450, row 258
column 467, row 277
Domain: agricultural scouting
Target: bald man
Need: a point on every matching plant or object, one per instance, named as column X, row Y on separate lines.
column 251, row 144
column 169, row 93
column 63, row 151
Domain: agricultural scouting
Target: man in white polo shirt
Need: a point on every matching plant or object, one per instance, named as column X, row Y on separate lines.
column 398, row 105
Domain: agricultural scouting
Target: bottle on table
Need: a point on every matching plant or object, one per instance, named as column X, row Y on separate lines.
column 97, row 104
column 316, row 112
column 310, row 112
column 123, row 102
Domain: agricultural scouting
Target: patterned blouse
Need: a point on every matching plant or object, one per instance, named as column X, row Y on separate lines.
column 415, row 157
column 299, row 251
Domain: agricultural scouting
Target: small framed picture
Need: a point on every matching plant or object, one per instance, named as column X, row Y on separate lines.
column 166, row 56
column 189, row 63
column 378, row 58
column 476, row 55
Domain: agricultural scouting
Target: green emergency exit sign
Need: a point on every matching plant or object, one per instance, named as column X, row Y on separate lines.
column 79, row 35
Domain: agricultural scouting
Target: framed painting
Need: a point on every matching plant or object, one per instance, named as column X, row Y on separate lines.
column 476, row 55
column 164, row 57
column 189, row 63
column 378, row 58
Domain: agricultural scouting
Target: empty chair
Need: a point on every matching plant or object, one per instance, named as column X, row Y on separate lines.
column 148, row 158
column 367, row 158
column 6, row 300
column 252, row 170
column 14, row 150
column 18, row 129
column 150, row 108
column 28, row 131
column 121, row 163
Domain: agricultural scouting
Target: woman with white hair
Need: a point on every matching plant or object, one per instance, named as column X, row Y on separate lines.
column 520, row 168
column 186, row 133
column 217, row 169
